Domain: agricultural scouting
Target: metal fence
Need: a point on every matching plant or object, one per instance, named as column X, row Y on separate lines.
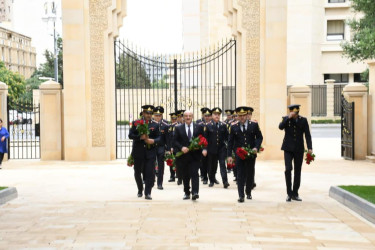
column 318, row 100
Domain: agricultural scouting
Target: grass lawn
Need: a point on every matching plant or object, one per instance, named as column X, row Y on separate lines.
column 1, row 188
column 365, row 192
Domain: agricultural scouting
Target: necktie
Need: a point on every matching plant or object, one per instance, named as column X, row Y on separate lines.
column 243, row 128
column 189, row 133
column 217, row 125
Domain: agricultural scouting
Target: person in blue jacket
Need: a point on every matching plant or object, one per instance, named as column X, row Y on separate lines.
column 4, row 135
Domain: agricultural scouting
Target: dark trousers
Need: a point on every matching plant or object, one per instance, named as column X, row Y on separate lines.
column 160, row 160
column 297, row 157
column 190, row 167
column 1, row 158
column 245, row 174
column 213, row 159
column 178, row 169
column 173, row 172
column 147, row 168
column 204, row 167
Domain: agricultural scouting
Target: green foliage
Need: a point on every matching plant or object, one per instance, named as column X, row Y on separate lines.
column 122, row 122
column 365, row 192
column 362, row 46
column 32, row 83
column 327, row 121
column 130, row 73
column 1, row 188
column 47, row 69
column 15, row 82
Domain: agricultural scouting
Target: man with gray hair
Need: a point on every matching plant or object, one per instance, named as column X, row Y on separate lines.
column 189, row 161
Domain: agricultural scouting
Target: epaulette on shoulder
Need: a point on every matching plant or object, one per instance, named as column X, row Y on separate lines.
column 165, row 123
column 153, row 121
column 234, row 123
column 255, row 121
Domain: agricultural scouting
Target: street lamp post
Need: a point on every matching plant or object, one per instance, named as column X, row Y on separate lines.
column 50, row 15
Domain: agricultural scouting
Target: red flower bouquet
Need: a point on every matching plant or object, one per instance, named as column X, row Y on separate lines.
column 170, row 159
column 142, row 127
column 195, row 144
column 246, row 152
column 231, row 166
column 309, row 157
column 130, row 161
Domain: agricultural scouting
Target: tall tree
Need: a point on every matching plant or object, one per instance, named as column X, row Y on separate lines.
column 362, row 46
column 131, row 73
column 15, row 82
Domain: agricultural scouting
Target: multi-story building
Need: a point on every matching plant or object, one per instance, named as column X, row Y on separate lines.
column 16, row 52
column 6, row 11
column 316, row 28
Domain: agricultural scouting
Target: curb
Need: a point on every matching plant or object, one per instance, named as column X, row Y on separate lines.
column 8, row 194
column 361, row 206
column 317, row 125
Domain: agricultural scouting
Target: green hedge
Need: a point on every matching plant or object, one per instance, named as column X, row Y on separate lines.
column 328, row 121
column 365, row 192
column 1, row 188
column 123, row 122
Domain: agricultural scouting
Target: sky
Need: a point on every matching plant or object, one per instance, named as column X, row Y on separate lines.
column 27, row 20
column 157, row 28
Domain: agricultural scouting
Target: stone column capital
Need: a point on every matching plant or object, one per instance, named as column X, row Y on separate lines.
column 50, row 85
column 3, row 86
column 330, row 81
column 355, row 88
column 299, row 89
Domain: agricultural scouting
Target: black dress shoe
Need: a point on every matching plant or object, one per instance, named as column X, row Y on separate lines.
column 254, row 185
column 160, row 187
column 139, row 194
column 195, row 196
column 296, row 198
column 228, row 171
column 226, row 185
column 241, row 199
column 186, row 197
column 249, row 197
column 171, row 180
column 179, row 182
column 216, row 182
column 148, row 197
column 211, row 184
column 205, row 182
column 288, row 199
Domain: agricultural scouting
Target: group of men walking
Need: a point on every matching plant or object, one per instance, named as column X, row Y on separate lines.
column 223, row 137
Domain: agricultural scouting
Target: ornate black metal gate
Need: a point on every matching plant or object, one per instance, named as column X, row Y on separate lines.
column 190, row 81
column 24, row 130
column 347, row 129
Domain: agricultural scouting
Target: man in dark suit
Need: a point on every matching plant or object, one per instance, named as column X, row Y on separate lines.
column 217, row 135
column 244, row 133
column 189, row 161
column 161, row 146
column 295, row 127
column 144, row 152
column 180, row 120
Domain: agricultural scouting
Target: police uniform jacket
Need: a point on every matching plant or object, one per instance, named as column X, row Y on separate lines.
column 170, row 135
column 216, row 136
column 294, row 130
column 140, row 148
column 162, row 144
column 237, row 138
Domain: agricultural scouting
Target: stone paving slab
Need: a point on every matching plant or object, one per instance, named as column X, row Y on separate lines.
column 69, row 205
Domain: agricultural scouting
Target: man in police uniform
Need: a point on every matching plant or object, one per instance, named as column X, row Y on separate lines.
column 180, row 120
column 244, row 133
column 144, row 152
column 162, row 145
column 295, row 127
column 228, row 121
column 203, row 111
column 216, row 134
column 169, row 143
column 207, row 115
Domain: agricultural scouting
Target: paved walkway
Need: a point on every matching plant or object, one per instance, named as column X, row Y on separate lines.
column 66, row 205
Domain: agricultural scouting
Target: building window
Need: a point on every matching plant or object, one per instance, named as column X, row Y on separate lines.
column 358, row 78
column 335, row 30
column 339, row 78
column 336, row 1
